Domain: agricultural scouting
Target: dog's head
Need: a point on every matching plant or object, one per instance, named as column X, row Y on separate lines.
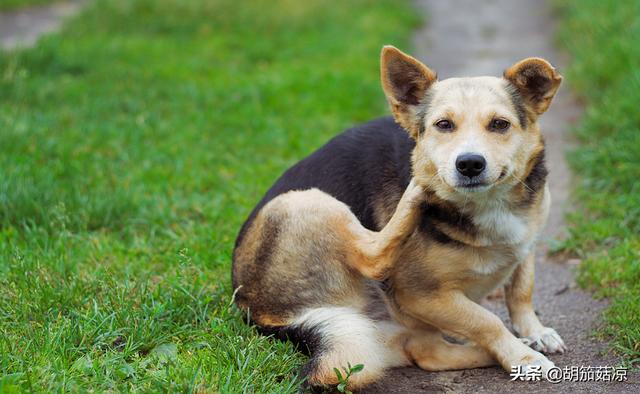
column 473, row 135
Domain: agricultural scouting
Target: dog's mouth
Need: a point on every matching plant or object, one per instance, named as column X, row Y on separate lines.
column 478, row 185
column 473, row 186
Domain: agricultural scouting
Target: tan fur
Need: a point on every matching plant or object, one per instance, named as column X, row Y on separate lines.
column 431, row 352
column 373, row 253
column 316, row 254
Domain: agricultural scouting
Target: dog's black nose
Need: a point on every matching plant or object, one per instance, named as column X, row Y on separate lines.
column 470, row 164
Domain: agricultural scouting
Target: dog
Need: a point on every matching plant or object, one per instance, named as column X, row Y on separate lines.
column 377, row 248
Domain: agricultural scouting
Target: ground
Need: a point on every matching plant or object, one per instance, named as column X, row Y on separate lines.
column 135, row 142
column 23, row 25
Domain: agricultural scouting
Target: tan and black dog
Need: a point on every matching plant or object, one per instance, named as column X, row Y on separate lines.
column 374, row 247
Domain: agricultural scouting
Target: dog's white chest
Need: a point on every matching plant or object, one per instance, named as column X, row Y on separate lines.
column 499, row 225
column 505, row 237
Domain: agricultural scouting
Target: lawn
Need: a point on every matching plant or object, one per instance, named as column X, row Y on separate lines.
column 12, row 4
column 132, row 147
column 602, row 37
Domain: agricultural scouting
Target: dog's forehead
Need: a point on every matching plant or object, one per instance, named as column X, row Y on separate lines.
column 474, row 91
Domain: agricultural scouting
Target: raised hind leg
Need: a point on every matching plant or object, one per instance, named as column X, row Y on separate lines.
column 373, row 253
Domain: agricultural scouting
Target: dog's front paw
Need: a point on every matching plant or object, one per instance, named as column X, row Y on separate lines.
column 526, row 363
column 414, row 191
column 536, row 364
column 545, row 340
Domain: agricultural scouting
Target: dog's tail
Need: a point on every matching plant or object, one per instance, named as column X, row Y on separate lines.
column 337, row 337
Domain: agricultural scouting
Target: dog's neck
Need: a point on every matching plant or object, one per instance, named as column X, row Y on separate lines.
column 499, row 216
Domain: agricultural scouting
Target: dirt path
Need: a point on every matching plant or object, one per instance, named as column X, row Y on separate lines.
column 483, row 37
column 22, row 27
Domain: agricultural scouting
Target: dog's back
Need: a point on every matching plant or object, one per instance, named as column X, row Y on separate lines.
column 355, row 167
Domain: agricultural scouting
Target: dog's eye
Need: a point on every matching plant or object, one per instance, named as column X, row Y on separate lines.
column 444, row 125
column 499, row 125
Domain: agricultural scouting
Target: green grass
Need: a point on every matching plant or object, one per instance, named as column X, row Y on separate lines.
column 132, row 147
column 602, row 37
column 12, row 4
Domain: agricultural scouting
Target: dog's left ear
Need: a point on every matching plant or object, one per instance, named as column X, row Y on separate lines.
column 536, row 80
column 405, row 81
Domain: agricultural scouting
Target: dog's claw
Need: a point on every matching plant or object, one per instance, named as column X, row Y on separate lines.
column 546, row 341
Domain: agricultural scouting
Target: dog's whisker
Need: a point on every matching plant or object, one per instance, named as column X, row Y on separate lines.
column 523, row 183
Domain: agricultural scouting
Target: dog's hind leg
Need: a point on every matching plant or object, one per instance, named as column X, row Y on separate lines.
column 431, row 352
column 373, row 253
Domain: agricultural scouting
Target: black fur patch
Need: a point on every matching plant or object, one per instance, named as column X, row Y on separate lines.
column 518, row 104
column 437, row 235
column 355, row 167
column 533, row 82
column 536, row 178
column 307, row 340
column 432, row 214
column 425, row 103
column 537, row 83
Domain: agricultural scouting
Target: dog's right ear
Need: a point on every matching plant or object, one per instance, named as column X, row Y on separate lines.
column 537, row 82
column 405, row 82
